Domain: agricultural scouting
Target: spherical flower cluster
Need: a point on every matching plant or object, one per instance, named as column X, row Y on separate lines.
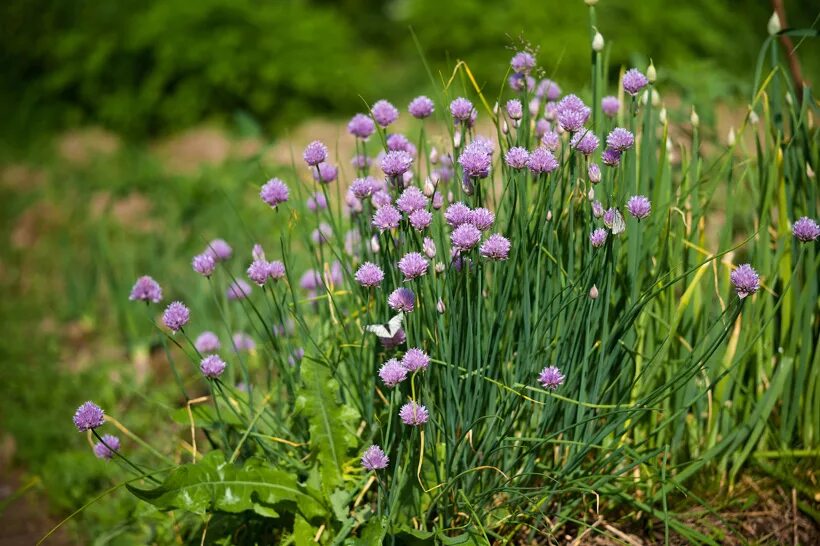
column 548, row 89
column 598, row 237
column 611, row 157
column 238, row 290
column 146, row 289
column 413, row 414
column 610, row 106
column 572, row 113
column 551, row 140
column 386, row 217
column 461, row 109
column 322, row 234
column 374, row 458
column 634, row 81
column 415, row 359
column 384, row 113
column 88, row 417
column 274, row 192
column 212, row 366
column 365, row 187
column 457, row 214
column 514, row 109
column 361, row 126
column 551, row 377
column 496, row 247
column 315, row 153
column 639, row 206
column 420, row 219
column 411, row 199
column 523, row 62
column 369, row 275
column 476, row 160
column 392, row 373
column 585, row 142
column 413, row 265
column 519, row 82
column 597, row 209
column 207, row 342
column 316, row 202
column 806, row 229
column 517, row 157
column 395, row 341
column 745, row 280
column 542, row 161
column 620, row 139
column 243, row 342
column 204, row 264
column 219, row 250
column 594, row 172
column 396, row 162
column 176, row 316
column 106, row 449
column 465, row 237
column 402, row 299
column 258, row 272
column 276, row 270
column 398, row 142
column 482, row 218
column 421, row 107
column 325, row 173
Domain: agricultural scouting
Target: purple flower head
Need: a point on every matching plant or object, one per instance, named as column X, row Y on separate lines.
column 523, row 62
column 88, row 417
column 806, row 229
column 465, row 237
column 496, row 247
column 597, row 209
column 438, row 200
column 458, row 213
column 551, row 140
column 415, row 360
column 274, row 192
column 614, row 220
column 176, row 316
column 420, row 219
column 219, row 250
column 429, row 247
column 204, row 264
column 572, row 113
column 398, row 142
column 421, row 107
column 541, row 127
column 322, row 234
column 639, row 206
column 238, row 290
column 374, row 458
column 380, row 199
column 317, row 202
column 482, row 218
column 107, row 448
column 365, row 187
column 475, row 160
column 315, row 153
column 212, row 366
column 598, row 237
column 310, row 280
column 620, row 139
column 386, row 217
column 634, row 81
column 396, row 163
column 611, row 157
column 594, row 172
column 517, row 157
column 542, row 161
column 413, row 414
column 548, row 89
column 276, row 270
column 585, row 142
column 392, row 373
column 514, row 109
column 243, row 342
column 326, row 174
column 610, row 106
column 411, row 199
column 384, row 113
column 146, row 289
column 551, row 378
column 257, row 252
column 369, row 275
column 519, row 82
column 361, row 162
column 296, row 356
column 461, row 109
column 361, row 126
column 207, row 342
column 745, row 280
column 413, row 265
column 395, row 341
column 258, row 272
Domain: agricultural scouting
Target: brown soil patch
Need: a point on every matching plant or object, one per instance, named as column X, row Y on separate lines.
column 80, row 146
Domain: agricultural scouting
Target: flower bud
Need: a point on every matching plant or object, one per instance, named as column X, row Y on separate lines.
column 694, row 118
column 429, row 187
column 374, row 244
column 753, row 117
column 440, row 307
column 505, row 129
column 662, row 116
column 549, row 215
column 651, row 74
column 535, row 106
column 591, row 194
column 433, row 155
column 495, row 108
column 774, row 25
column 789, row 100
column 429, row 247
column 467, row 185
column 439, row 267
column 593, row 292
column 590, row 2
column 809, row 171
column 730, row 138
column 598, row 42
column 457, row 139
column 656, row 98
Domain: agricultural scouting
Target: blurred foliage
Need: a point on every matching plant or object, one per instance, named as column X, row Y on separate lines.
column 147, row 67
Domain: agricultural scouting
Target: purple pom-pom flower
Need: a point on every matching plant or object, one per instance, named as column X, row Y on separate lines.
column 585, row 142
column 542, row 161
column 106, row 449
column 219, row 250
column 806, row 229
column 411, row 199
column 745, row 280
column 496, row 247
column 146, row 289
column 384, row 113
column 369, row 275
column 274, row 192
column 551, row 378
column 413, row 414
column 361, row 126
column 396, row 162
column 421, row 107
column 207, row 342
column 374, row 458
column 517, row 157
column 610, row 106
column 415, row 359
column 639, row 206
column 598, row 237
column 238, row 290
column 204, row 264
column 611, row 157
column 402, row 299
column 386, row 217
column 461, row 109
column 458, row 213
column 420, row 219
column 212, row 366
column 465, row 237
column 620, row 139
column 315, row 153
column 176, row 316
column 413, row 265
column 634, row 81
column 88, row 417
column 523, row 62
column 392, row 373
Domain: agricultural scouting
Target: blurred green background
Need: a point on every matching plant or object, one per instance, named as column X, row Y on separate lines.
column 83, row 213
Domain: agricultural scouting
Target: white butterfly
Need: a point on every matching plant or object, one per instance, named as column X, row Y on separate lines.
column 616, row 224
column 387, row 330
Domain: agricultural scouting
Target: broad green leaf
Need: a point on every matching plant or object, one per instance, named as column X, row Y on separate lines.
column 466, row 539
column 374, row 532
column 213, row 485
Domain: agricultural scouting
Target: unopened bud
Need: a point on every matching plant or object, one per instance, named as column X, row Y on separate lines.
column 809, row 171
column 440, row 307
column 651, row 73
column 593, row 292
column 433, row 155
column 549, row 215
column 656, row 98
column 495, row 108
column 662, row 116
column 457, row 139
column 591, row 194
column 535, row 106
column 789, row 100
column 590, row 2
column 467, row 185
column 429, row 187
column 598, row 42
column 730, row 139
column 439, row 267
column 505, row 129
column 774, row 25
column 374, row 244
column 694, row 119
column 429, row 248
column 753, row 117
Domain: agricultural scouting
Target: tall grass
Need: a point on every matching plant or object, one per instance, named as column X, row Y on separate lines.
column 672, row 381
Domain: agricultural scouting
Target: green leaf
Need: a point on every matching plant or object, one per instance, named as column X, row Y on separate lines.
column 413, row 537
column 213, row 485
column 374, row 532
column 328, row 420
column 466, row 539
